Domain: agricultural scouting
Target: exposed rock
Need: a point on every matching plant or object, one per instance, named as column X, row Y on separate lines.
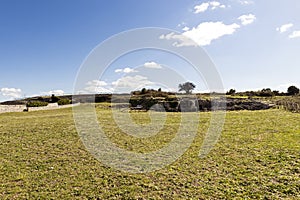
column 188, row 105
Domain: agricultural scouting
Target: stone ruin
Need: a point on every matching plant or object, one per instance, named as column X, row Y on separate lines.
column 194, row 105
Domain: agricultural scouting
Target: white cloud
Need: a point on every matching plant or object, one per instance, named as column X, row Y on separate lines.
column 284, row 27
column 55, row 92
column 130, row 83
column 295, row 34
column 96, row 83
column 152, row 65
column 96, row 86
column 11, row 92
column 246, row 2
column 96, row 89
column 201, row 8
column 247, row 19
column 186, row 28
column 203, row 34
column 180, row 39
column 125, row 70
column 205, row 6
column 216, row 4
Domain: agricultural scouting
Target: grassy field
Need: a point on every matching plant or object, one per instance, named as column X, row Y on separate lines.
column 257, row 156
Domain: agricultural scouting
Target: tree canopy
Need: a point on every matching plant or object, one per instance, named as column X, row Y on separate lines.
column 187, row 87
column 231, row 92
column 293, row 90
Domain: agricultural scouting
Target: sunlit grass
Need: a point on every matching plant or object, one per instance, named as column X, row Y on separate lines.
column 257, row 156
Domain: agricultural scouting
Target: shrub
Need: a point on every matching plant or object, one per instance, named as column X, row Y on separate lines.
column 266, row 92
column 146, row 103
column 64, row 102
column 290, row 104
column 40, row 99
column 144, row 91
column 36, row 104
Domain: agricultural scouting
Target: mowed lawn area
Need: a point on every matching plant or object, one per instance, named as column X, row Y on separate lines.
column 257, row 156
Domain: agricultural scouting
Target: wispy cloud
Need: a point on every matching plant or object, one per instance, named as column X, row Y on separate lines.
column 247, row 19
column 285, row 27
column 181, row 24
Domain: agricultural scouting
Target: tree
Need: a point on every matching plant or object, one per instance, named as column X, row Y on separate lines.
column 293, row 90
column 187, row 87
column 266, row 92
column 54, row 98
column 231, row 92
column 276, row 93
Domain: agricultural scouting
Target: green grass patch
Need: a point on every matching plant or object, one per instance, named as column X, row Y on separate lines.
column 257, row 156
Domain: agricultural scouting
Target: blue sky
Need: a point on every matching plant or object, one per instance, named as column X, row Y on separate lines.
column 254, row 44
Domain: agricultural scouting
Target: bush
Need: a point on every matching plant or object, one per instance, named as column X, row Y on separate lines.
column 290, row 104
column 144, row 91
column 64, row 102
column 36, row 104
column 40, row 99
column 146, row 103
column 266, row 92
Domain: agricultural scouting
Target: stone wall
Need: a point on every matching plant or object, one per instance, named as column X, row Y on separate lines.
column 12, row 108
column 20, row 108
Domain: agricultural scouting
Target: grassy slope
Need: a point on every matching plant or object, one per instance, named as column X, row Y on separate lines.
column 41, row 156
